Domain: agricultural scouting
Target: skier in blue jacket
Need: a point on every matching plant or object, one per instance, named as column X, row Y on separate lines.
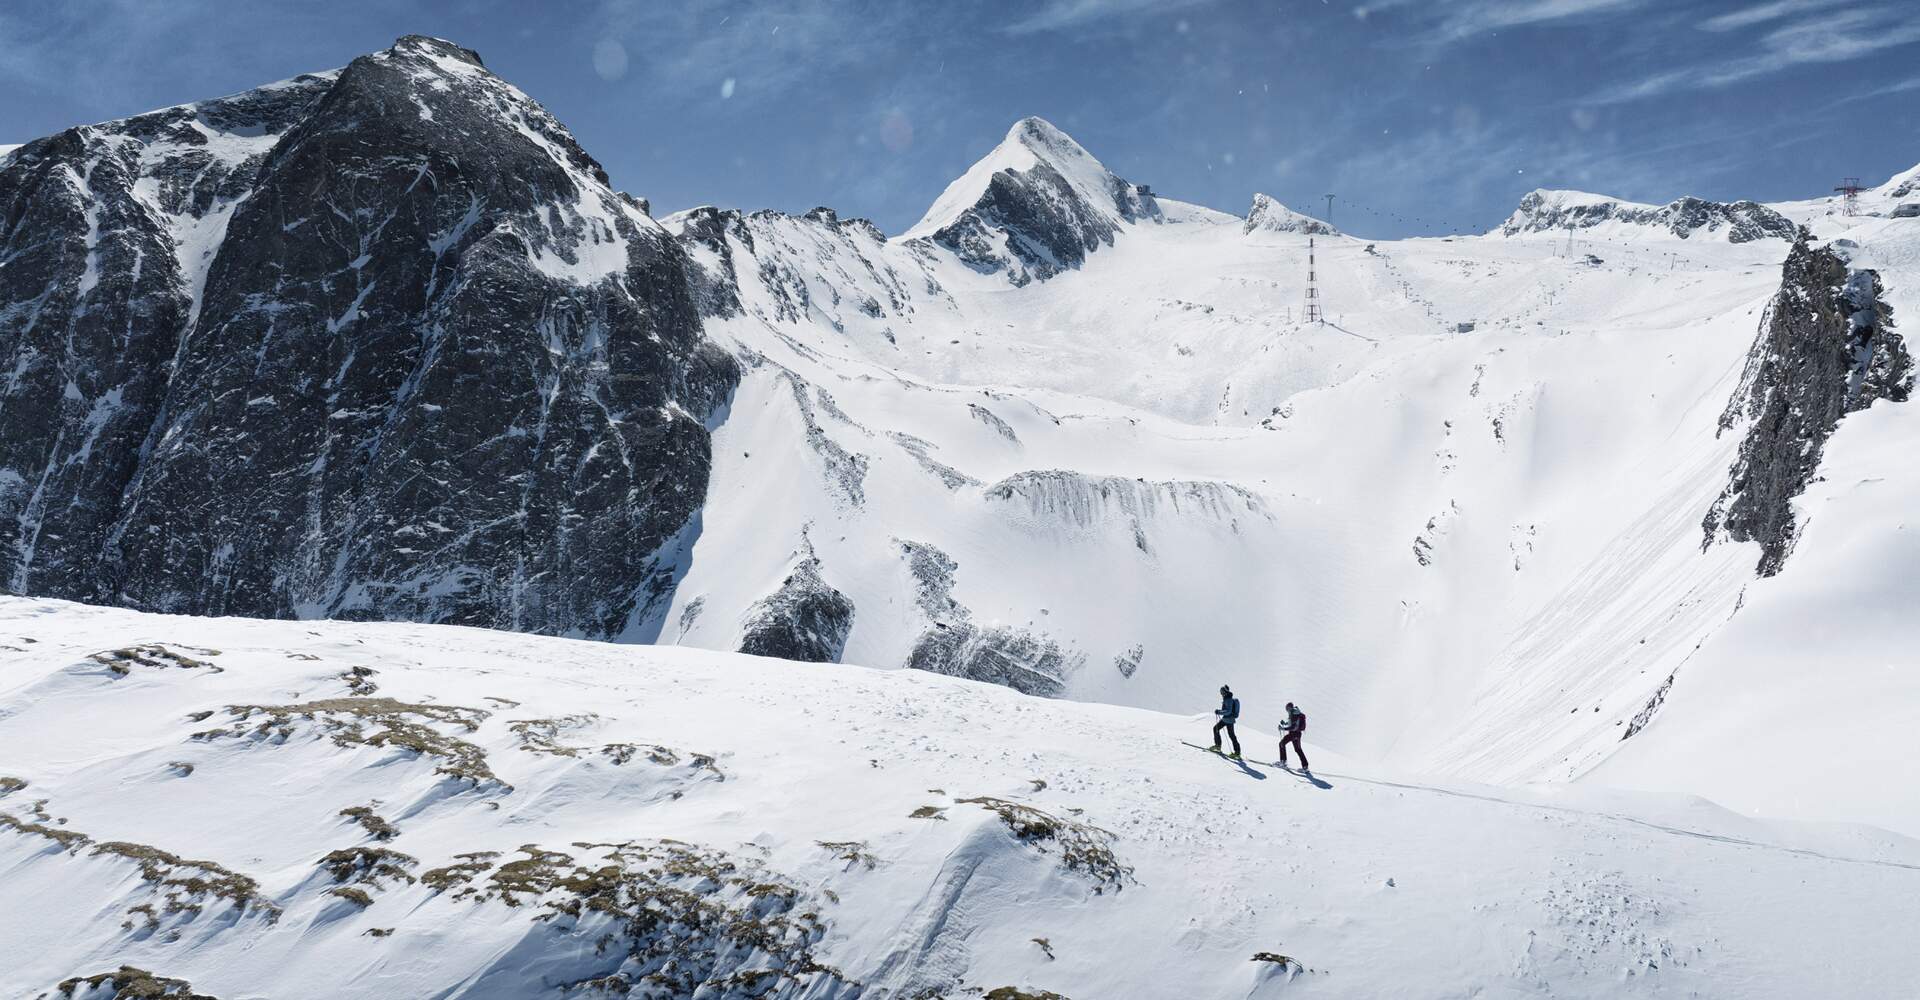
column 1229, row 713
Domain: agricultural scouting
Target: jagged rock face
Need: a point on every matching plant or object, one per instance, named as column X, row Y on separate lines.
column 1826, row 349
column 1739, row 221
column 806, row 619
column 1031, row 222
column 439, row 370
column 1269, row 216
column 104, row 237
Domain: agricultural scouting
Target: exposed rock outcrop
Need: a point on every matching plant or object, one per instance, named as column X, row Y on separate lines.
column 1826, row 348
column 806, row 619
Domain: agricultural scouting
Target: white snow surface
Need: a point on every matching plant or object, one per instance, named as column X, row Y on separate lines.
column 1371, row 883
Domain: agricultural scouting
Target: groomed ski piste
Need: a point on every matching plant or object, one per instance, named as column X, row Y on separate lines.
column 274, row 809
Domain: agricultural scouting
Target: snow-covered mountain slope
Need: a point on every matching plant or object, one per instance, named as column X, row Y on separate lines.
column 1475, row 552
column 366, row 810
column 1066, row 435
column 1897, row 197
column 1800, row 707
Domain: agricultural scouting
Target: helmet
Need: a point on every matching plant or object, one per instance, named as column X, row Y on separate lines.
column 1225, row 689
column 1289, row 706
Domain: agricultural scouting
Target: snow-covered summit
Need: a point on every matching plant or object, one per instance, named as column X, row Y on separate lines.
column 1547, row 210
column 1269, row 216
column 1032, row 142
column 1034, row 206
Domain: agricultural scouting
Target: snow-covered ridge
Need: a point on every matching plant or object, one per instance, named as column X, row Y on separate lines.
column 1545, row 210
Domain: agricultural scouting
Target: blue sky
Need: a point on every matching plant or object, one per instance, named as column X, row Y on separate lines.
column 1420, row 115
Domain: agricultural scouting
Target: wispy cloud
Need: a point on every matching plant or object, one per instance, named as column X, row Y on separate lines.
column 1449, row 21
column 1822, row 37
column 1057, row 15
column 1747, row 17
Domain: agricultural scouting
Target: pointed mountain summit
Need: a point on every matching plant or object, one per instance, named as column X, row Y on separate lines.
column 1036, row 205
column 1269, row 216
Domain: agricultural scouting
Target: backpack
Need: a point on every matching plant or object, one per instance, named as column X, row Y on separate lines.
column 1297, row 722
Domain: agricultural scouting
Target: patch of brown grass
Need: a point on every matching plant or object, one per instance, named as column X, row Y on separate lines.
column 373, row 722
column 129, row 983
column 189, row 884
column 152, row 654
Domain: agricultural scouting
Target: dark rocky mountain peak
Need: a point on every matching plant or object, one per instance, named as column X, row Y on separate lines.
column 1035, row 206
column 376, row 343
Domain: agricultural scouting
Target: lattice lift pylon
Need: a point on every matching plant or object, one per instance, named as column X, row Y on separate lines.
column 1313, row 314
